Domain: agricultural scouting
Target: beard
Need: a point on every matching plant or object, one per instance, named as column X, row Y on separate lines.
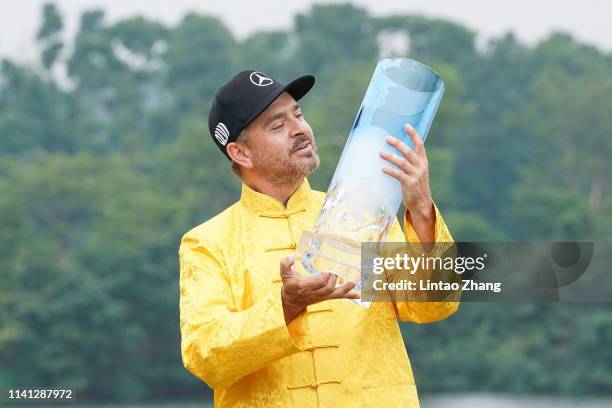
column 288, row 170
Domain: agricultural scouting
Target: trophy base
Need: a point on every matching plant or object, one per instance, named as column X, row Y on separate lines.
column 331, row 253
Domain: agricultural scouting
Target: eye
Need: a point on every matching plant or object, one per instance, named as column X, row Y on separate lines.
column 278, row 127
column 299, row 115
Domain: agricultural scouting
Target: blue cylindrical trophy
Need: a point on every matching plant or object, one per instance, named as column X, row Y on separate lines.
column 362, row 201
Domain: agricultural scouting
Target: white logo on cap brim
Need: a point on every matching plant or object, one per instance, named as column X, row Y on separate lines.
column 259, row 79
column 221, row 133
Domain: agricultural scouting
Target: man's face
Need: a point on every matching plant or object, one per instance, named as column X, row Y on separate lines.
column 281, row 143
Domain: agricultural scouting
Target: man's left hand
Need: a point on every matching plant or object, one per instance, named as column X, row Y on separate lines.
column 413, row 173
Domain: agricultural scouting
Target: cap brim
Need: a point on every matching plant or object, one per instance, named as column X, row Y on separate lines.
column 300, row 86
column 296, row 88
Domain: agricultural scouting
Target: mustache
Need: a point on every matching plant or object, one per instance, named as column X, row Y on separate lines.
column 301, row 140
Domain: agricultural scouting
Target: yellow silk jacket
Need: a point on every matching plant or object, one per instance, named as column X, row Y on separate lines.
column 233, row 331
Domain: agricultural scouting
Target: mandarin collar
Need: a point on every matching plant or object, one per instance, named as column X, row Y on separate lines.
column 267, row 206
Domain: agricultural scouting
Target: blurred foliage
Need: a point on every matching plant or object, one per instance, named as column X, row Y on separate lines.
column 102, row 171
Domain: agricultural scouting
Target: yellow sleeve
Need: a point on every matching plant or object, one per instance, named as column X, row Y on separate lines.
column 220, row 344
column 423, row 312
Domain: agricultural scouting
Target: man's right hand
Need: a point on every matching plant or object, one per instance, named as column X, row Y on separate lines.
column 300, row 291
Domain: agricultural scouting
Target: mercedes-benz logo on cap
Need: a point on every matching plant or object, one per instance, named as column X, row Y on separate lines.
column 259, row 79
column 221, row 133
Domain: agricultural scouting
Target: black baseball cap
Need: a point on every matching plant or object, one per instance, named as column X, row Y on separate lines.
column 243, row 98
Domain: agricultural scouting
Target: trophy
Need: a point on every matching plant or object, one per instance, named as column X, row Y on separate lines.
column 362, row 201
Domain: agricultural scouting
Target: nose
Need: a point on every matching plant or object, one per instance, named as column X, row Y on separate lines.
column 298, row 127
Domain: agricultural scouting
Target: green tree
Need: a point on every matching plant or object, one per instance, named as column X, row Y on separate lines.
column 49, row 35
column 333, row 33
column 200, row 56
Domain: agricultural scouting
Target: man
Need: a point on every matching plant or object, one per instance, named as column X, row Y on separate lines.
column 252, row 328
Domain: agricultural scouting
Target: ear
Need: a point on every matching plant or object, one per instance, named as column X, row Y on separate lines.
column 240, row 153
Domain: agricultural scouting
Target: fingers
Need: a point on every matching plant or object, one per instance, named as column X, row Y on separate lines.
column 322, row 281
column 396, row 174
column 287, row 263
column 409, row 154
column 312, row 289
column 328, row 288
column 352, row 295
column 330, row 291
column 286, row 268
column 298, row 282
column 413, row 165
column 344, row 292
column 417, row 142
column 315, row 283
column 400, row 162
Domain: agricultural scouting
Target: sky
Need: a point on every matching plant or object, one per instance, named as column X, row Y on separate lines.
column 530, row 20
